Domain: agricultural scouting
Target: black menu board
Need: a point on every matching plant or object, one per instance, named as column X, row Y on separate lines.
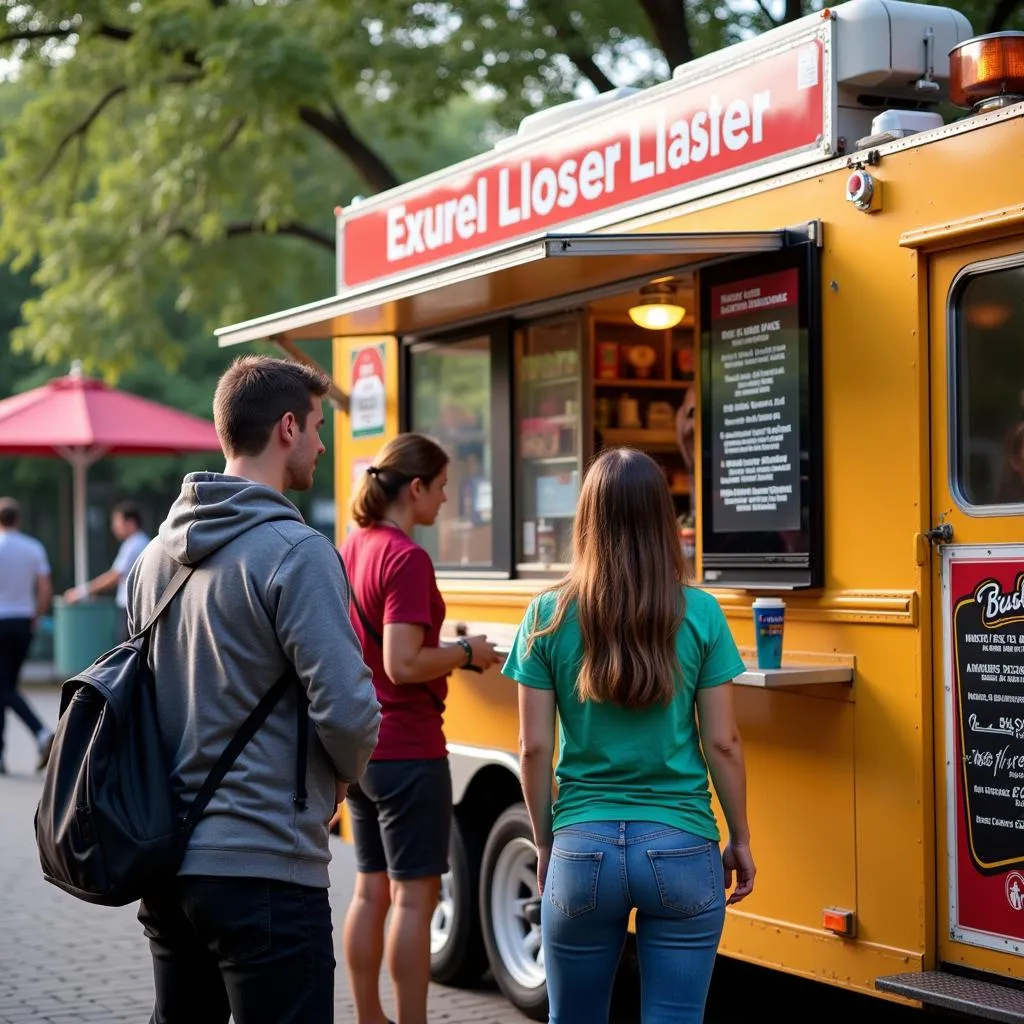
column 755, row 409
column 761, row 422
column 988, row 641
column 984, row 633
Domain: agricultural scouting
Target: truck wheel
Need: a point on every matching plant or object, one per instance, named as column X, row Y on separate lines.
column 457, row 954
column 508, row 883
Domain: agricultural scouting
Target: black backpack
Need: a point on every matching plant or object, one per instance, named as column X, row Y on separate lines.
column 107, row 826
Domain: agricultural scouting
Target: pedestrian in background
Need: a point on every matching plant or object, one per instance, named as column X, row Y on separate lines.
column 638, row 666
column 25, row 592
column 401, row 809
column 245, row 930
column 126, row 526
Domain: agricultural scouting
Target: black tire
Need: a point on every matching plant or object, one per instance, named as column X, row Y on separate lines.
column 511, row 828
column 462, row 960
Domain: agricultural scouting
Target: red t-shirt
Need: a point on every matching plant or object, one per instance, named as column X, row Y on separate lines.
column 393, row 579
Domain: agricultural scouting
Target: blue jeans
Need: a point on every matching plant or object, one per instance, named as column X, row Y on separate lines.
column 599, row 872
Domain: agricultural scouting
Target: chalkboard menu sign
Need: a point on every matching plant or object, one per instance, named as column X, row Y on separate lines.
column 985, row 636
column 761, row 422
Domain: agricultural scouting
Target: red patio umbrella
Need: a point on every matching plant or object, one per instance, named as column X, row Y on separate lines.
column 82, row 419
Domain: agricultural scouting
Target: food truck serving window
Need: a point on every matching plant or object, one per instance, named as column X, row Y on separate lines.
column 986, row 386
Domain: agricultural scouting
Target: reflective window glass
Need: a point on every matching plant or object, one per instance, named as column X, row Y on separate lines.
column 451, row 402
column 988, row 388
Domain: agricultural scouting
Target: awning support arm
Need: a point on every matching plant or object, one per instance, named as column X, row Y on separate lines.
column 337, row 397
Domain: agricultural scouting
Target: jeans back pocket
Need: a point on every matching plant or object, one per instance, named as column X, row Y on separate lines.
column 686, row 878
column 572, row 881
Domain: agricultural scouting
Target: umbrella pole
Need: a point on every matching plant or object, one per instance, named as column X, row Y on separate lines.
column 81, row 459
column 79, row 467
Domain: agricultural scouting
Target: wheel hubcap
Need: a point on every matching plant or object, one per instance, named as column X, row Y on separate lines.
column 443, row 921
column 513, row 886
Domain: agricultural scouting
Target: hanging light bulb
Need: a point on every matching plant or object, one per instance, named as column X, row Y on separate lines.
column 657, row 310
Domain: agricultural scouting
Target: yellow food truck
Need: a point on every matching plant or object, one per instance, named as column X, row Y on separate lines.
column 793, row 274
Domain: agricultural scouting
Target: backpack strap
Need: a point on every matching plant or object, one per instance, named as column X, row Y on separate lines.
column 177, row 582
column 249, row 728
column 370, row 631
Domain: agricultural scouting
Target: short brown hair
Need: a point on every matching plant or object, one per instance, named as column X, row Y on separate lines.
column 128, row 510
column 403, row 459
column 10, row 513
column 255, row 392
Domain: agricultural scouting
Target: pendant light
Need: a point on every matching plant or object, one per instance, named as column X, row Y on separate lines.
column 657, row 309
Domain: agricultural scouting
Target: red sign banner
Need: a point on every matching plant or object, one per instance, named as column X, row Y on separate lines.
column 682, row 135
column 987, row 723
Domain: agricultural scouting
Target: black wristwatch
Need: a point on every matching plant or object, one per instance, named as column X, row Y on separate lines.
column 464, row 644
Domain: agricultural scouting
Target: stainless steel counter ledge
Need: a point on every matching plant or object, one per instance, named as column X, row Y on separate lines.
column 795, row 675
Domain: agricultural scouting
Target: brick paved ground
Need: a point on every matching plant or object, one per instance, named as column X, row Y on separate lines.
column 64, row 961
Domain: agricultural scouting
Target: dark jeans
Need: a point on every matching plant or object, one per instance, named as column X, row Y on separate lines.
column 258, row 950
column 15, row 640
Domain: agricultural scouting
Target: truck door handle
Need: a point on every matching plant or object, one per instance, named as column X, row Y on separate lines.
column 941, row 534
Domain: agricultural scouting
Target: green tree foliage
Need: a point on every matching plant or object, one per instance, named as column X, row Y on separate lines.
column 195, row 149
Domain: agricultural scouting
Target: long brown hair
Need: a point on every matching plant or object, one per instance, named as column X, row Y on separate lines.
column 626, row 583
column 403, row 459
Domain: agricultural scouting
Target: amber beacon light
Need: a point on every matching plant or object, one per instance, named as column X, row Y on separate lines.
column 657, row 310
column 987, row 72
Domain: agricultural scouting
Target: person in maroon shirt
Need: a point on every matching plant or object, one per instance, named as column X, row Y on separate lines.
column 402, row 807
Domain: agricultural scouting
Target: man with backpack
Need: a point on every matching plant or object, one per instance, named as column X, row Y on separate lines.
column 245, row 927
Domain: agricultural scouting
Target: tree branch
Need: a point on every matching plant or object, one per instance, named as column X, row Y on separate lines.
column 81, row 128
column 767, row 13
column 574, row 45
column 335, row 128
column 120, row 35
column 232, row 133
column 28, row 34
column 794, row 10
column 671, row 32
column 1001, row 14
column 289, row 227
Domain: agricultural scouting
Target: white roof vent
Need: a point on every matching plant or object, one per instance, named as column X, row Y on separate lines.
column 898, row 124
column 883, row 48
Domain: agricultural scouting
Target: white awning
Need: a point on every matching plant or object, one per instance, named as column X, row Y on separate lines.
column 542, row 268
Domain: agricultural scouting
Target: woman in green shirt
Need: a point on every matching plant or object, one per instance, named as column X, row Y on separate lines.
column 638, row 667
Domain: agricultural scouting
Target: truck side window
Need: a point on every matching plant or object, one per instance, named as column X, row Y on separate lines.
column 451, row 402
column 987, row 387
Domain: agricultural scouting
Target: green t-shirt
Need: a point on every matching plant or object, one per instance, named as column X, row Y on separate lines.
column 617, row 764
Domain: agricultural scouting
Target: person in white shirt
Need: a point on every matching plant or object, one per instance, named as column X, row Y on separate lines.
column 126, row 526
column 25, row 592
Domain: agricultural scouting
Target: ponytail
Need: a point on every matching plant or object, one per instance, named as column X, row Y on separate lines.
column 403, row 459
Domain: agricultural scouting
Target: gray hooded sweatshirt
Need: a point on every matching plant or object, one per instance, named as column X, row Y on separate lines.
column 268, row 592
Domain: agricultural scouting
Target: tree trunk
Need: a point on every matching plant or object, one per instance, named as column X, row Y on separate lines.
column 668, row 20
column 1001, row 14
column 794, row 10
column 574, row 46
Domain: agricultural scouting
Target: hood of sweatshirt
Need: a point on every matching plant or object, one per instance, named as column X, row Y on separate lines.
column 213, row 509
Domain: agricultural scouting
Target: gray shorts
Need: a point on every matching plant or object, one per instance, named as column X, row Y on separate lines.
column 401, row 813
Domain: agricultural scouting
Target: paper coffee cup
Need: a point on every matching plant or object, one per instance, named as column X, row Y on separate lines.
column 769, row 621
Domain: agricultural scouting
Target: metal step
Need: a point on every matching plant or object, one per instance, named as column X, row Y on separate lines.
column 972, row 996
